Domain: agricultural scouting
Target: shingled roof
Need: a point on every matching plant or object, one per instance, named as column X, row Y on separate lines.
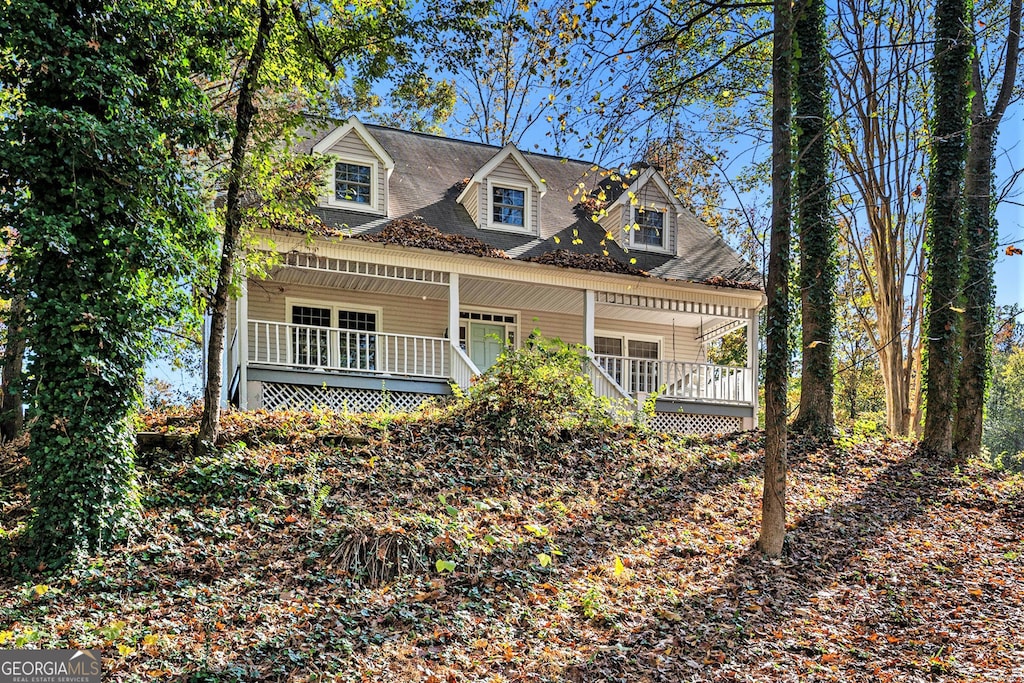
column 430, row 171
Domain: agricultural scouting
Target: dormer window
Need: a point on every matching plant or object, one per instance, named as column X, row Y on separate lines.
column 359, row 170
column 508, row 206
column 353, row 183
column 649, row 229
column 505, row 194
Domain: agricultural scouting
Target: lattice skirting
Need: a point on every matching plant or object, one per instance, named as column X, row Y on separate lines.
column 689, row 423
column 339, row 399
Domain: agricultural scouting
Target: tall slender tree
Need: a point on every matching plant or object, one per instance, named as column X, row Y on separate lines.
column 980, row 238
column 951, row 69
column 286, row 47
column 776, row 381
column 816, row 228
column 881, row 138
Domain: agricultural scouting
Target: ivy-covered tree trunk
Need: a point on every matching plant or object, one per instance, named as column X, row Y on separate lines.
column 107, row 229
column 12, row 416
column 951, row 68
column 980, row 236
column 817, row 230
column 776, row 380
column 245, row 111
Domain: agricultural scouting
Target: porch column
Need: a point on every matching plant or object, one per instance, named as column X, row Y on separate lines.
column 753, row 363
column 243, row 346
column 453, row 309
column 588, row 319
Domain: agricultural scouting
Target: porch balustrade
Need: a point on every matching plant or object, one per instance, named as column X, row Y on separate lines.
column 680, row 380
column 323, row 348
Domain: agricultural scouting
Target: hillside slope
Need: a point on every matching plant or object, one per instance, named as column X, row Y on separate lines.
column 416, row 549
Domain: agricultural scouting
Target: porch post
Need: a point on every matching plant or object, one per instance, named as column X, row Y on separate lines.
column 243, row 346
column 453, row 309
column 752, row 363
column 588, row 319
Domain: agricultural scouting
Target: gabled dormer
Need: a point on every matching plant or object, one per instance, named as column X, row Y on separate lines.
column 359, row 169
column 505, row 194
column 644, row 214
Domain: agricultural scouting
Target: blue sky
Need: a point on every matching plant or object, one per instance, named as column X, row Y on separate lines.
column 1010, row 214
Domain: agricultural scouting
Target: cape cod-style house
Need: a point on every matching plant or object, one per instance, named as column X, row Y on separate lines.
column 436, row 254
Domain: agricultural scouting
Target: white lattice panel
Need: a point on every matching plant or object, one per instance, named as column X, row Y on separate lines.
column 338, row 399
column 688, row 423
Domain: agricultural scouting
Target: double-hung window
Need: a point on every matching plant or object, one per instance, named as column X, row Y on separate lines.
column 508, row 207
column 650, row 228
column 636, row 369
column 353, row 183
column 334, row 337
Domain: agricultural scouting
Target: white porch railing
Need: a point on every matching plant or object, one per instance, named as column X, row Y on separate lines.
column 463, row 369
column 680, row 380
column 604, row 384
column 324, row 348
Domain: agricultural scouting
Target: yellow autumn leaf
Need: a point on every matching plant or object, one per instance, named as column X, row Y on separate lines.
column 150, row 639
column 558, row 240
column 957, row 310
column 40, row 589
column 620, row 568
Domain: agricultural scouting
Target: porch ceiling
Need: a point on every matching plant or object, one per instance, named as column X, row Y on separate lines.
column 499, row 294
column 360, row 283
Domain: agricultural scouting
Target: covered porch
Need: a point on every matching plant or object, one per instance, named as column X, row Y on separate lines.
column 335, row 331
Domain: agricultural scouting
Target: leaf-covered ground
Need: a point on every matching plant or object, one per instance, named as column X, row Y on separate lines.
column 389, row 549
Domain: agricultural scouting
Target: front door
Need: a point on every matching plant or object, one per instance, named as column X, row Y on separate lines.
column 486, row 342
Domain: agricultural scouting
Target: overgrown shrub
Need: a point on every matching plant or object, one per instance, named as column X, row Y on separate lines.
column 536, row 395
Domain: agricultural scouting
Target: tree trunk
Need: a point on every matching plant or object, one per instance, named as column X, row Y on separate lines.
column 773, row 502
column 245, row 111
column 883, row 158
column 951, row 73
column 979, row 287
column 12, row 415
column 817, row 230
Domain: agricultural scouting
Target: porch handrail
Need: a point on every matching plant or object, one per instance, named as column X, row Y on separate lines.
column 701, row 382
column 463, row 368
column 604, row 384
column 332, row 348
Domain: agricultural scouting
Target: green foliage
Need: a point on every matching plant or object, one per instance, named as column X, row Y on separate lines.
column 731, row 349
column 108, row 223
column 1004, row 419
column 532, row 394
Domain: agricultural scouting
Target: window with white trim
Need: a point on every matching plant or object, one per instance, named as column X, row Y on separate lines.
column 353, row 183
column 337, row 336
column 637, row 369
column 508, row 206
column 648, row 229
